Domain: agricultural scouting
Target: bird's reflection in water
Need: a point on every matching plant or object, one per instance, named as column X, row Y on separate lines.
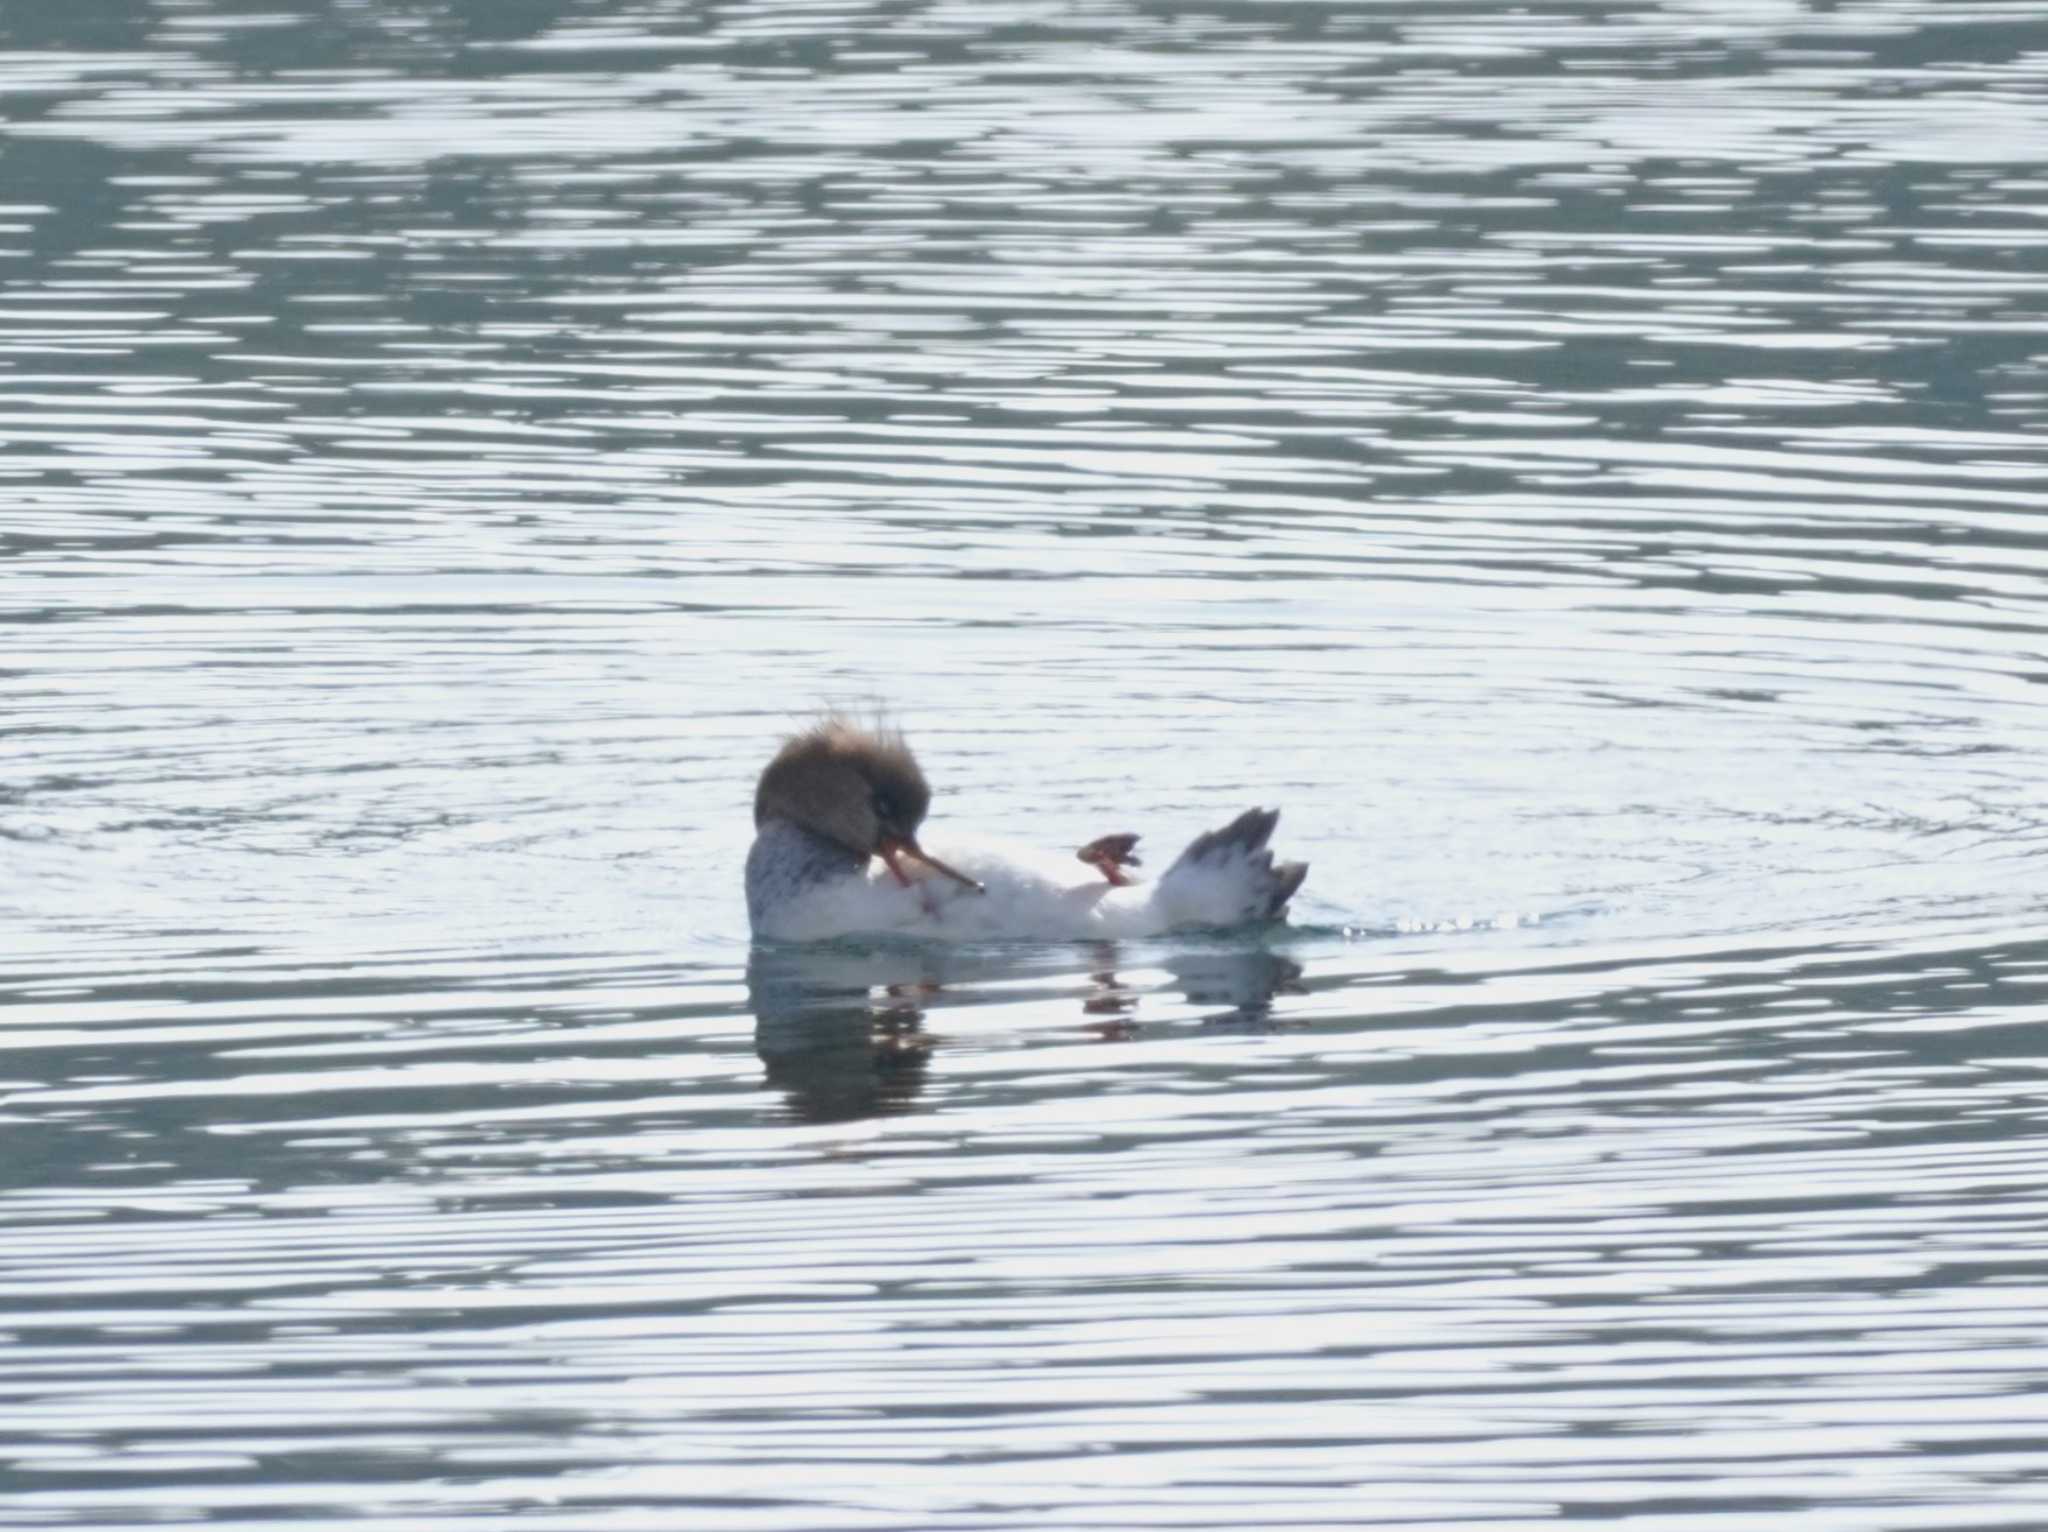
column 1242, row 983
column 843, row 1033
column 1111, row 1003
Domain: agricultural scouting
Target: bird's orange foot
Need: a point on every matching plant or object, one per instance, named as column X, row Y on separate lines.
column 1110, row 855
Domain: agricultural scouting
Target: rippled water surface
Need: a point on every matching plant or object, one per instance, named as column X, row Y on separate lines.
column 1582, row 459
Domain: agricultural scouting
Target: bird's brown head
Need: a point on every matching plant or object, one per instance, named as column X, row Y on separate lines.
column 858, row 787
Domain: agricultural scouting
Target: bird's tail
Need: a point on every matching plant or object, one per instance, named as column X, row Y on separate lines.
column 1228, row 877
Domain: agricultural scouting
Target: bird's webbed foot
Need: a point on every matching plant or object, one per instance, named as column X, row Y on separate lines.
column 1110, row 855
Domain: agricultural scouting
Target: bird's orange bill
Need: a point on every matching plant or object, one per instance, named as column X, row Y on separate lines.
column 895, row 847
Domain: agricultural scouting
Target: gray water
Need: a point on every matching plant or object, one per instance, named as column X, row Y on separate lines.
column 1582, row 460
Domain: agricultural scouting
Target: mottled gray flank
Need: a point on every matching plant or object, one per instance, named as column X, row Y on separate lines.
column 785, row 860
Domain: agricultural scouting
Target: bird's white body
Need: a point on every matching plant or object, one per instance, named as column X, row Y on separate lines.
column 800, row 889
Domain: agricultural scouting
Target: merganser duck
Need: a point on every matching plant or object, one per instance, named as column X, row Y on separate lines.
column 836, row 853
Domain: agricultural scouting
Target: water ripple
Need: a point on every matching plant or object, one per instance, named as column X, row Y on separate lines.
column 1581, row 462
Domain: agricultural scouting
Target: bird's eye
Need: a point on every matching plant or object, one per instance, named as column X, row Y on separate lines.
column 884, row 809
